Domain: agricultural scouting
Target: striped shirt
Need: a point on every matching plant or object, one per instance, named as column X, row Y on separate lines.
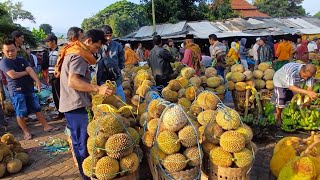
column 289, row 75
column 53, row 57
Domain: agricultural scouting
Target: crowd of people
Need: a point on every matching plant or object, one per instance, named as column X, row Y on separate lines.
column 68, row 70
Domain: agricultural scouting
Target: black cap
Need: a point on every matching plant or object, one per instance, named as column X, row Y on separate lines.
column 51, row 37
column 16, row 34
column 189, row 36
column 106, row 29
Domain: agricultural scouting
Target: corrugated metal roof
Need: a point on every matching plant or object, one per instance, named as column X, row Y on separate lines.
column 162, row 29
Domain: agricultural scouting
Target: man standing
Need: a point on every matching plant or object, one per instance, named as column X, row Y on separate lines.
column 287, row 81
column 140, row 52
column 284, row 53
column 21, row 77
column 217, row 53
column 313, row 45
column 51, row 42
column 33, row 60
column 243, row 53
column 131, row 58
column 76, row 88
column 264, row 52
column 112, row 62
column 255, row 52
column 173, row 50
column 159, row 62
column 192, row 56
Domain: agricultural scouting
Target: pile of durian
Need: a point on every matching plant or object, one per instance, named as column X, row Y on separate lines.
column 296, row 158
column 172, row 137
column 227, row 140
column 239, row 78
column 113, row 146
column 12, row 155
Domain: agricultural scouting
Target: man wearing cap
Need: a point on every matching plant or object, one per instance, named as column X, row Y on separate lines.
column 313, row 45
column 112, row 62
column 218, row 52
column 51, row 42
column 131, row 58
column 192, row 55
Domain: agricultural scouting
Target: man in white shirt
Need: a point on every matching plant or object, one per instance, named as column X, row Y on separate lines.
column 313, row 45
column 255, row 51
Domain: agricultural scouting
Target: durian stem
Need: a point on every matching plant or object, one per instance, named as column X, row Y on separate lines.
column 311, row 146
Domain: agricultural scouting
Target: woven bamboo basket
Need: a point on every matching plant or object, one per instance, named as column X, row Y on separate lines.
column 190, row 174
column 239, row 99
column 205, row 164
column 71, row 149
column 133, row 176
column 223, row 173
column 153, row 167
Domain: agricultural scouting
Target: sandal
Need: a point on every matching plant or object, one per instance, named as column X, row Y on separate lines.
column 28, row 137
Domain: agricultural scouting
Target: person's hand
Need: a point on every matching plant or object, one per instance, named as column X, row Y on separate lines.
column 105, row 90
column 312, row 95
column 38, row 84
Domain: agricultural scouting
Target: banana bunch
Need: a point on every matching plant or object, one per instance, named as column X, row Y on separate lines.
column 310, row 119
column 290, row 118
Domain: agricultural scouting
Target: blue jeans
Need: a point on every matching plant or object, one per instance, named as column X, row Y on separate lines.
column 25, row 104
column 120, row 92
column 77, row 122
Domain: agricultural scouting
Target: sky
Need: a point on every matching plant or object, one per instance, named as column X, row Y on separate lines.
column 62, row 14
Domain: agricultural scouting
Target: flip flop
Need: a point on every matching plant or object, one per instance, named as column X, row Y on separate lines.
column 52, row 129
column 27, row 137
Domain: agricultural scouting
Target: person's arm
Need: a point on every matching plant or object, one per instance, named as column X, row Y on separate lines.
column 308, row 92
column 278, row 50
column 33, row 75
column 7, row 68
column 166, row 55
column 121, row 57
column 76, row 82
column 187, row 57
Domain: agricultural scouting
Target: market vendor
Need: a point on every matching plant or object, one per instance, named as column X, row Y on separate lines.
column 287, row 81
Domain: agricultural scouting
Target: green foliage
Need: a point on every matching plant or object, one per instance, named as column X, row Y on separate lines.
column 39, row 35
column 221, row 9
column 317, row 15
column 284, row 8
column 123, row 16
column 16, row 12
column 47, row 28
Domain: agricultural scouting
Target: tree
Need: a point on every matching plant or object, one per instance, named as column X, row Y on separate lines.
column 221, row 9
column 47, row 28
column 123, row 16
column 16, row 12
column 281, row 8
column 174, row 10
column 317, row 15
column 39, row 35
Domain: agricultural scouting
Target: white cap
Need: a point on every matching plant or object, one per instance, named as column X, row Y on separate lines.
column 258, row 39
column 127, row 45
column 182, row 45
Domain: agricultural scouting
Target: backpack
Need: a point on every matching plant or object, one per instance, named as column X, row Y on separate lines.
column 111, row 70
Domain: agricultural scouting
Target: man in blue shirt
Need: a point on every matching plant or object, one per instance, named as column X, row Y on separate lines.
column 287, row 81
column 21, row 77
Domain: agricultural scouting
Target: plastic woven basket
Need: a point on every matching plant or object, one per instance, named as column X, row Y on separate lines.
column 223, row 173
column 190, row 174
column 239, row 98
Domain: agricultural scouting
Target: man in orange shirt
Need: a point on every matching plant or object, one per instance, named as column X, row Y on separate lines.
column 284, row 53
column 131, row 58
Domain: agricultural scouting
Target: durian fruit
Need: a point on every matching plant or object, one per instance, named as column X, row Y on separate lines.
column 213, row 82
column 185, row 103
column 175, row 162
column 195, row 123
column 191, row 93
column 2, row 169
column 182, row 93
column 153, row 125
column 126, row 85
column 144, row 118
column 204, row 79
column 281, row 158
column 240, row 86
column 188, row 72
column 174, row 118
column 183, row 82
column 129, row 164
column 259, row 84
column 168, row 142
column 170, row 95
column 298, row 168
column 269, row 85
column 110, row 125
column 155, row 109
column 142, row 108
column 207, row 146
column 228, row 119
column 220, row 157
column 210, row 72
column 231, row 85
column 188, row 136
column 194, row 155
column 220, row 90
column 142, row 90
column 287, row 141
column 268, row 74
column 264, row 66
column 250, row 83
column 195, row 81
column 119, row 145
column 201, row 130
column 88, row 166
column 237, row 77
column 232, row 141
column 228, row 76
column 246, row 132
column 94, row 143
column 14, row 166
column 23, row 157
column 7, row 138
column 213, row 132
column 134, row 134
column 258, row 74
column 148, row 139
column 135, row 100
column 107, row 168
column 237, row 68
column 243, row 158
column 195, row 109
column 206, row 116
column 248, row 75
column 156, row 157
column 207, row 101
column 174, row 85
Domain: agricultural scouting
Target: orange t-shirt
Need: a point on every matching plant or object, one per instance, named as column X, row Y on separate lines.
column 284, row 51
column 130, row 57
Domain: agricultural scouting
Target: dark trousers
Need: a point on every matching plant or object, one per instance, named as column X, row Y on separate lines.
column 77, row 122
column 55, row 84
